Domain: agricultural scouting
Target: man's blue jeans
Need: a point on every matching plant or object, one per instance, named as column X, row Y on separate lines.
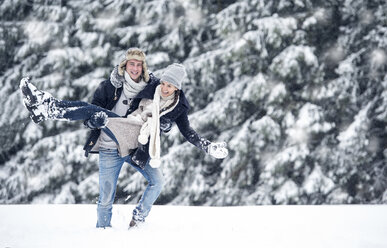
column 110, row 164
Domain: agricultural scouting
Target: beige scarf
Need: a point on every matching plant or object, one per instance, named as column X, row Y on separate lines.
column 131, row 88
column 151, row 128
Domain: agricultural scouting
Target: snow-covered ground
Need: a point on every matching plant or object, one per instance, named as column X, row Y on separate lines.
column 349, row 226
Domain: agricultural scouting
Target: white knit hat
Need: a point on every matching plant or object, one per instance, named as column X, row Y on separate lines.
column 174, row 74
column 138, row 54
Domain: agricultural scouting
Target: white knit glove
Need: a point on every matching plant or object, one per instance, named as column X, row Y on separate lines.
column 218, row 150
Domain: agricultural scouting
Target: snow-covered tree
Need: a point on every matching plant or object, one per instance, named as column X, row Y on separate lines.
column 296, row 88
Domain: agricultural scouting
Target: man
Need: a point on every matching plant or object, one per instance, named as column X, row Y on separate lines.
column 117, row 94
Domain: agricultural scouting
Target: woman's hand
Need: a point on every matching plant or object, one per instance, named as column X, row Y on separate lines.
column 218, row 150
column 165, row 124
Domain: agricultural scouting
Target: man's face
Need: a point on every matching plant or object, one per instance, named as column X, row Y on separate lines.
column 134, row 69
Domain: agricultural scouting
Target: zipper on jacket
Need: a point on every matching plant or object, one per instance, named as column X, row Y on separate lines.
column 115, row 95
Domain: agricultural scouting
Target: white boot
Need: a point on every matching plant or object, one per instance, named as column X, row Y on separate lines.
column 32, row 95
column 36, row 101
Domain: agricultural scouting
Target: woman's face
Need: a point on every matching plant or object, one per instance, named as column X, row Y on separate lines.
column 167, row 89
column 134, row 69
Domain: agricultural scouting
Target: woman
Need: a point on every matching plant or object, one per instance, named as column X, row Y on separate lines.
column 157, row 106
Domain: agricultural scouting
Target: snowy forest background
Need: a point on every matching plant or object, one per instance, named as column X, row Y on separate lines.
column 296, row 87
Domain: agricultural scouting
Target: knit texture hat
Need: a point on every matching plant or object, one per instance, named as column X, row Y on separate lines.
column 138, row 54
column 174, row 74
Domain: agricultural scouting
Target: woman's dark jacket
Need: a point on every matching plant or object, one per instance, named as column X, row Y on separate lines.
column 107, row 95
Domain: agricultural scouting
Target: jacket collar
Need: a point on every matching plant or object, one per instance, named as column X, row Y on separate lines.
column 115, row 79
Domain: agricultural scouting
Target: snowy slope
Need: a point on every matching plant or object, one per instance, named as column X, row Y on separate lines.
column 175, row 226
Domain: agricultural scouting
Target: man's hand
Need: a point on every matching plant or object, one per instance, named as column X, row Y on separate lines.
column 98, row 120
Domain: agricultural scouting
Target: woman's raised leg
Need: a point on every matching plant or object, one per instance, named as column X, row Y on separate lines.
column 42, row 106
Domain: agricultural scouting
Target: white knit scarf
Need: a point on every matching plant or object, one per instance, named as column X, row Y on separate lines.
column 131, row 88
column 152, row 126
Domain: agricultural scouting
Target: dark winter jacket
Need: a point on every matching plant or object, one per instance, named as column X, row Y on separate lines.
column 178, row 115
column 107, row 95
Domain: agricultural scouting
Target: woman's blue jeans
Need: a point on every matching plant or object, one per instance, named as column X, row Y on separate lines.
column 76, row 110
column 110, row 164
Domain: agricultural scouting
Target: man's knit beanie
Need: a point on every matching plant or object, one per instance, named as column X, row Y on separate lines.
column 137, row 54
column 174, row 74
